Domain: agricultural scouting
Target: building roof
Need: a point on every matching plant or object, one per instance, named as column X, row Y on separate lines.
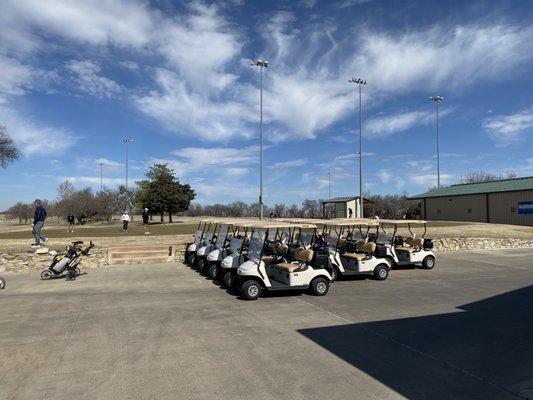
column 504, row 185
column 346, row 199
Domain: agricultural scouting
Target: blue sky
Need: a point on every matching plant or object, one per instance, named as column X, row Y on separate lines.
column 77, row 77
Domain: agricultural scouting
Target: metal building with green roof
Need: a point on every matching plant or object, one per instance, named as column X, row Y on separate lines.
column 506, row 201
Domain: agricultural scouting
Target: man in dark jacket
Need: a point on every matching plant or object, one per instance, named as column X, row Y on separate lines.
column 38, row 223
column 146, row 221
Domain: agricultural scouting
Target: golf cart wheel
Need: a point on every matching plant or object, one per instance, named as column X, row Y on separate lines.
column 190, row 260
column 381, row 272
column 2, row 283
column 200, row 264
column 320, row 286
column 71, row 275
column 334, row 274
column 228, row 280
column 46, row 274
column 213, row 271
column 251, row 290
column 428, row 262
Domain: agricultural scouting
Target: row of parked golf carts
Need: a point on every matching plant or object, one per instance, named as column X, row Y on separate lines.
column 292, row 254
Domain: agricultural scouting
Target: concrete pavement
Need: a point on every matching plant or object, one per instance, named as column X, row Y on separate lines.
column 462, row 330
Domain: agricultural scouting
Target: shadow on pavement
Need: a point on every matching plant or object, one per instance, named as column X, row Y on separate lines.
column 484, row 351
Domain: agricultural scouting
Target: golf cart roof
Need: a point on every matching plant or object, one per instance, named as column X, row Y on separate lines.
column 315, row 221
column 350, row 222
column 280, row 224
column 401, row 222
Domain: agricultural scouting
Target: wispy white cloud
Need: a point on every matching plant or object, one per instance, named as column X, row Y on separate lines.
column 459, row 56
column 33, row 137
column 509, row 128
column 95, row 180
column 379, row 127
column 384, row 176
column 430, row 180
column 298, row 162
column 86, row 76
column 99, row 22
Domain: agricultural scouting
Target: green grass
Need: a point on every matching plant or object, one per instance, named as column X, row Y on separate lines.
column 134, row 229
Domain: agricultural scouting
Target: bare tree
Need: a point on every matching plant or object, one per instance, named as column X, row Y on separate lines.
column 311, row 208
column 8, row 151
column 21, row 211
column 482, row 176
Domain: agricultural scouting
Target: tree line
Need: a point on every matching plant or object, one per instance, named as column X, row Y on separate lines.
column 385, row 206
column 161, row 193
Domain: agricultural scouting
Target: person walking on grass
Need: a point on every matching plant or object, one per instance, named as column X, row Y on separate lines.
column 125, row 221
column 146, row 221
column 38, row 223
column 70, row 220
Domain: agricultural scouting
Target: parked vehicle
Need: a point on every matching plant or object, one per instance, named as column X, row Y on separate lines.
column 217, row 230
column 2, row 283
column 285, row 268
column 411, row 250
column 67, row 262
column 228, row 243
column 346, row 249
column 199, row 239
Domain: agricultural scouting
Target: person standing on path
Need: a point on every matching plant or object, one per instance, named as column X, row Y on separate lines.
column 70, row 220
column 38, row 223
column 125, row 221
column 146, row 221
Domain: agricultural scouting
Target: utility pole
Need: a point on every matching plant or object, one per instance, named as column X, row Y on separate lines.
column 127, row 141
column 261, row 64
column 101, row 164
column 329, row 185
column 437, row 100
column 360, row 82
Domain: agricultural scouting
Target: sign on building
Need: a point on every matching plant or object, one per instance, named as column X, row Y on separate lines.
column 525, row 207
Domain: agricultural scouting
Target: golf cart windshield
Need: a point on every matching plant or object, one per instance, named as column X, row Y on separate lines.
column 256, row 244
column 304, row 237
column 221, row 237
column 197, row 236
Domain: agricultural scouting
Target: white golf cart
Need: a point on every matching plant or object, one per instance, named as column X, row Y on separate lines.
column 346, row 250
column 410, row 250
column 238, row 251
column 227, row 242
column 207, row 245
column 199, row 239
column 295, row 272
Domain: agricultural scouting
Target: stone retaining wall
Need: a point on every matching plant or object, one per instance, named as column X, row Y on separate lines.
column 457, row 244
column 28, row 261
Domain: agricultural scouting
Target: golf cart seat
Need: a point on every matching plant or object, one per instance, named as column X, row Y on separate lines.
column 301, row 255
column 287, row 267
column 413, row 244
column 267, row 259
column 405, row 249
column 363, row 251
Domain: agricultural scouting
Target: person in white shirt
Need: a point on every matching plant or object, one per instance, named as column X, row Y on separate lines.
column 125, row 221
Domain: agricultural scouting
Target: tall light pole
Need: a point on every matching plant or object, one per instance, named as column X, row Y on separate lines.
column 360, row 82
column 261, row 64
column 101, row 164
column 437, row 100
column 127, row 141
column 329, row 185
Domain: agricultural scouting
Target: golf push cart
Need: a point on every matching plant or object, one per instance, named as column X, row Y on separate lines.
column 411, row 250
column 274, row 265
column 345, row 249
column 68, row 262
